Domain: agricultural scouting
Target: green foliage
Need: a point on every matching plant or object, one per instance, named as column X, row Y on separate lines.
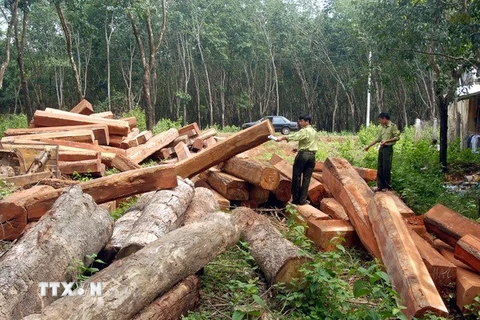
column 12, row 121
column 123, row 207
column 82, row 177
column 5, row 188
column 139, row 114
column 473, row 310
column 226, row 129
column 82, row 272
column 165, row 124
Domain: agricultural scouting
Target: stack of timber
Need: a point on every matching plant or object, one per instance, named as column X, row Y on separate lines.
column 89, row 142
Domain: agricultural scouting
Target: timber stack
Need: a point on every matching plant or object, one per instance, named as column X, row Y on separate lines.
column 180, row 206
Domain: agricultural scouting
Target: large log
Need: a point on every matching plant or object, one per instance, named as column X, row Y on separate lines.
column 278, row 258
column 63, row 118
column 448, row 225
column 203, row 203
column 100, row 131
column 283, row 192
column 109, row 188
column 252, row 170
column 122, row 228
column 404, row 265
column 132, row 283
column 13, row 216
column 467, row 250
column 157, row 142
column 164, row 212
column 235, row 144
column 316, row 190
column 353, row 193
column 175, row 303
column 75, row 227
column 229, row 186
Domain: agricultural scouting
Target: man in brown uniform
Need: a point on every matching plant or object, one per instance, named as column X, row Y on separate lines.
column 388, row 136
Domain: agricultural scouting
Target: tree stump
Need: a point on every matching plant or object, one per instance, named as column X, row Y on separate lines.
column 74, row 227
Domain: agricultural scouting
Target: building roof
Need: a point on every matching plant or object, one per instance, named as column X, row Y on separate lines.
column 466, row 92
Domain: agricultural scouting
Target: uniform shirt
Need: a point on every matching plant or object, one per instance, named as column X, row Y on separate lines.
column 388, row 132
column 306, row 137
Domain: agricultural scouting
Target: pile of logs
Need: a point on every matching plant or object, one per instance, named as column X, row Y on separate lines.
column 176, row 226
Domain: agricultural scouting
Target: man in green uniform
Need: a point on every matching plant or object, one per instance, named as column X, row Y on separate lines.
column 304, row 160
column 388, row 136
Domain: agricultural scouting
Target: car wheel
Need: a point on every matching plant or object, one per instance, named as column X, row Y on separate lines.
column 285, row 130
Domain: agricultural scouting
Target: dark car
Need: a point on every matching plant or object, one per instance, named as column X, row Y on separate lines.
column 280, row 124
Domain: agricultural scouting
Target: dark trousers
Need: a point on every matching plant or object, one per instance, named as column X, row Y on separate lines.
column 302, row 173
column 384, row 168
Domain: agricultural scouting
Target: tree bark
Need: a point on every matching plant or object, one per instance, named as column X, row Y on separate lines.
column 178, row 301
column 132, row 283
column 75, row 227
column 202, row 204
column 279, row 259
column 164, row 212
column 254, row 171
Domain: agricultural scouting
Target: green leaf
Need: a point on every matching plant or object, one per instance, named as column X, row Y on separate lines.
column 259, row 301
column 238, row 315
column 360, row 288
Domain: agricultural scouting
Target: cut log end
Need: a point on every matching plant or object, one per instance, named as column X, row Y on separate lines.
column 291, row 270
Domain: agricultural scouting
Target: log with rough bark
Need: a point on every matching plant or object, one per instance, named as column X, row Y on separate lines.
column 154, row 144
column 448, row 225
column 132, row 283
column 109, row 188
column 203, row 203
column 278, row 258
column 235, row 144
column 122, row 228
column 258, row 194
column 223, row 202
column 467, row 250
column 353, row 193
column 407, row 271
column 63, row 118
column 229, row 186
column 83, row 107
column 75, row 227
column 164, row 212
column 252, row 170
column 174, row 304
column 316, row 190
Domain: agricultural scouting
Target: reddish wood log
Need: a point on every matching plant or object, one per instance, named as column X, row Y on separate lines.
column 467, row 250
column 191, row 129
column 79, row 135
column 181, row 149
column 258, row 194
column 100, row 131
column 278, row 258
column 252, row 170
column 404, row 265
column 235, row 144
column 353, row 193
column 73, row 228
column 83, row 107
column 141, row 152
column 62, row 118
column 333, row 208
column 174, row 304
column 229, row 186
column 283, row 192
column 163, row 213
column 448, row 225
column 109, row 188
column 178, row 254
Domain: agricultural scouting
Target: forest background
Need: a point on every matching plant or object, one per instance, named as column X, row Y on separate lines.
column 226, row 62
